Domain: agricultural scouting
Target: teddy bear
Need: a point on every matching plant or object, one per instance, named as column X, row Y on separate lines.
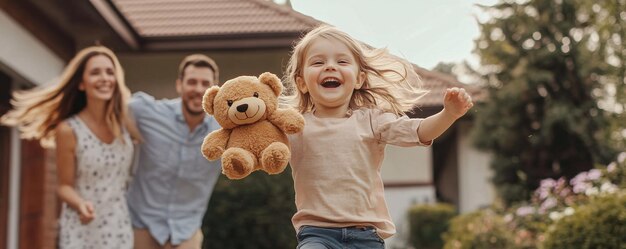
column 253, row 134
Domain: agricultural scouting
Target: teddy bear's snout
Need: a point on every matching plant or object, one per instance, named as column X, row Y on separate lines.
column 242, row 108
column 247, row 110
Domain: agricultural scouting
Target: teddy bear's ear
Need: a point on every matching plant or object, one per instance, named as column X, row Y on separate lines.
column 273, row 81
column 207, row 100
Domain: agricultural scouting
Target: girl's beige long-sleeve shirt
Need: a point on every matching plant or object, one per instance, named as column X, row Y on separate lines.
column 336, row 166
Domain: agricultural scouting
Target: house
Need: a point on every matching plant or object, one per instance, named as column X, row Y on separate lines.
column 452, row 170
column 245, row 37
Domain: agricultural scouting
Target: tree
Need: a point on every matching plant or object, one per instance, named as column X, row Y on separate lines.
column 446, row 68
column 547, row 66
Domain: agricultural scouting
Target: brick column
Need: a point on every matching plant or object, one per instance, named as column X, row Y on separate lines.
column 39, row 205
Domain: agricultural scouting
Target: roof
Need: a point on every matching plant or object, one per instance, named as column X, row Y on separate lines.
column 204, row 24
column 436, row 84
column 173, row 18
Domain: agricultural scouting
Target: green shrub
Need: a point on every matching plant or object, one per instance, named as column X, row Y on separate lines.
column 615, row 172
column 600, row 224
column 478, row 230
column 527, row 225
column 428, row 223
column 252, row 213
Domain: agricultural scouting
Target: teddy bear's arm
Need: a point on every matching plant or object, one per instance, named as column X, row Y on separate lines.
column 215, row 143
column 287, row 120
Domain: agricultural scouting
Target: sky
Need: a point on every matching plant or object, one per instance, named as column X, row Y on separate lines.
column 425, row 32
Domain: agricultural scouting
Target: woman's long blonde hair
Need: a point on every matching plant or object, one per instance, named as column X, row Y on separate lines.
column 38, row 111
column 391, row 83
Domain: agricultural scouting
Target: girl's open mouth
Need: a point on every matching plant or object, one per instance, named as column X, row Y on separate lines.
column 331, row 83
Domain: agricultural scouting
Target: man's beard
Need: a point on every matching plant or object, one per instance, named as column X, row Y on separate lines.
column 192, row 112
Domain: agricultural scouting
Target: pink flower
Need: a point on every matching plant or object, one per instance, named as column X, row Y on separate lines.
column 555, row 215
column 548, row 183
column 561, row 182
column 594, row 174
column 568, row 211
column 543, row 193
column 621, row 157
column 548, row 204
column 592, row 191
column 580, row 178
column 608, row 187
column 508, row 217
column 581, row 187
column 611, row 167
column 525, row 210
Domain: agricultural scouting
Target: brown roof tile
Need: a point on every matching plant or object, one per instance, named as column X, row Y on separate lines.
column 176, row 18
column 436, row 84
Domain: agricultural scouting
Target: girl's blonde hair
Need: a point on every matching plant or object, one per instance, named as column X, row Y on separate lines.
column 391, row 83
column 38, row 111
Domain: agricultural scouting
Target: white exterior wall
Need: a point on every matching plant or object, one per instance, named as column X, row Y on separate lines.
column 156, row 73
column 475, row 187
column 25, row 55
column 399, row 200
column 412, row 165
column 407, row 165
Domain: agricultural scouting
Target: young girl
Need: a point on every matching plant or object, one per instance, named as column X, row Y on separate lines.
column 353, row 99
column 85, row 112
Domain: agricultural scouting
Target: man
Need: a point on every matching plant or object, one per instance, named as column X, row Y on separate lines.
column 173, row 181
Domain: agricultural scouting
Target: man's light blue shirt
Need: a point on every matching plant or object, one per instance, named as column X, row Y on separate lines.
column 173, row 182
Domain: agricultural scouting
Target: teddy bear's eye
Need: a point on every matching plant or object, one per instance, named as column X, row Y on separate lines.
column 230, row 102
column 256, row 94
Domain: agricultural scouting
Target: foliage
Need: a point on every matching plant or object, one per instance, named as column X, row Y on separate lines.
column 549, row 67
column 558, row 199
column 478, row 230
column 253, row 213
column 599, row 224
column 558, row 209
column 428, row 223
column 616, row 171
column 445, row 68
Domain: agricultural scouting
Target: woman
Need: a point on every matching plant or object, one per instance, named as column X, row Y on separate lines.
column 84, row 116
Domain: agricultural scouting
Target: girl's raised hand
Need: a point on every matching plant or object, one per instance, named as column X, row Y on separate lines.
column 456, row 102
column 86, row 212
